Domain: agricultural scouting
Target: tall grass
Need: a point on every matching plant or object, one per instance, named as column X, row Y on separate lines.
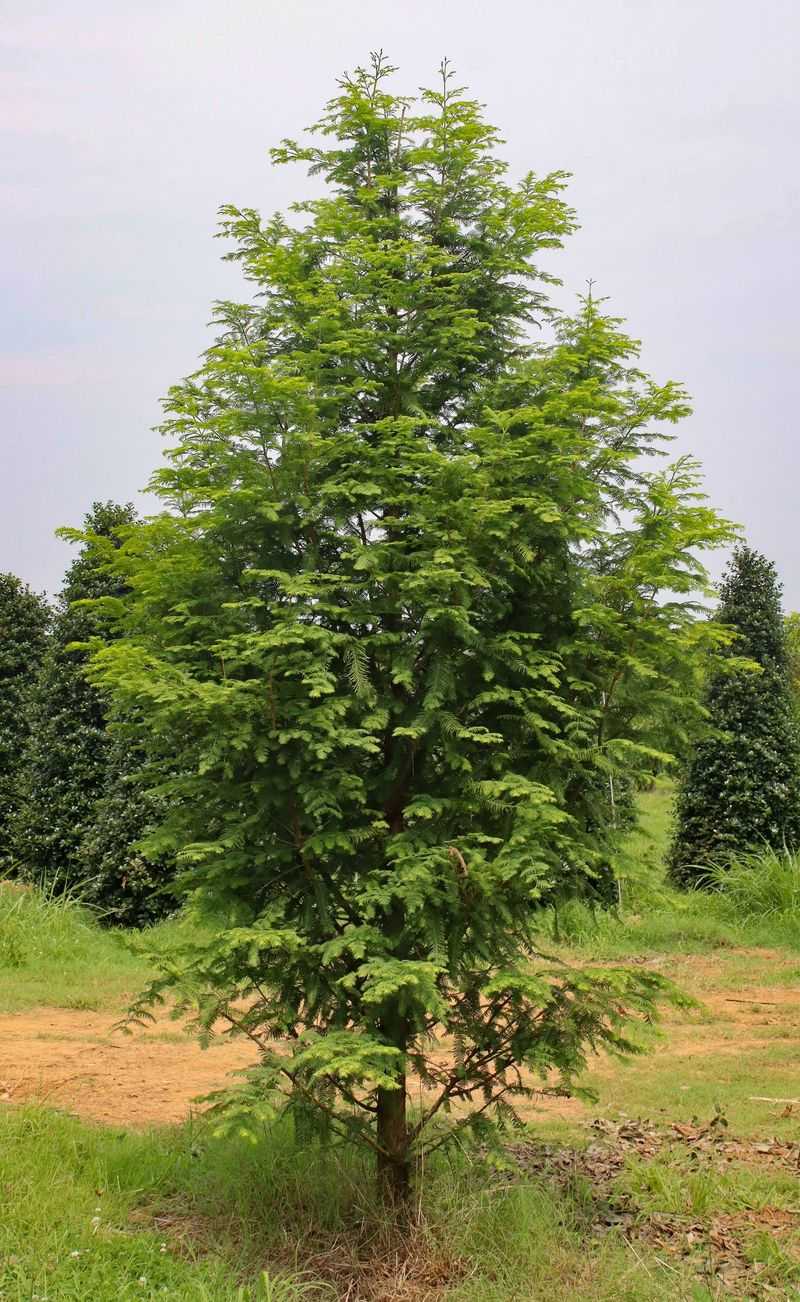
column 52, row 951
column 761, row 887
column 39, row 926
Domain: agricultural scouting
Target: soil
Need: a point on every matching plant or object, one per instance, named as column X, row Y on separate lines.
column 78, row 1061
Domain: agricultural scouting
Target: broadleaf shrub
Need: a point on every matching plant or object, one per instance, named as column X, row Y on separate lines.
column 79, row 807
column 741, row 788
column 24, row 623
column 128, row 887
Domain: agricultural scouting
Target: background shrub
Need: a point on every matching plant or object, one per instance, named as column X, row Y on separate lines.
column 741, row 789
column 24, row 619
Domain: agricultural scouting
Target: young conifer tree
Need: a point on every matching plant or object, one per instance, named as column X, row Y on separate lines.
column 389, row 639
column 24, row 621
column 741, row 790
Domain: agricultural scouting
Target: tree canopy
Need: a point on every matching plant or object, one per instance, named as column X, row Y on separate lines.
column 63, row 766
column 414, row 597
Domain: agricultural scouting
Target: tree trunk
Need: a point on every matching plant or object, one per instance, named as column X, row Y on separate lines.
column 394, row 1168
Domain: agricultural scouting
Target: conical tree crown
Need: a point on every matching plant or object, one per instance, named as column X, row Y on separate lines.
column 388, row 641
column 750, row 602
column 741, row 790
column 64, row 764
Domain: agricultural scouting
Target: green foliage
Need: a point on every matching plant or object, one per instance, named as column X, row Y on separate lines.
column 791, row 624
column 64, row 765
column 401, row 624
column 24, row 619
column 764, row 885
column 65, row 761
column 129, row 887
column 79, row 806
column 741, row 790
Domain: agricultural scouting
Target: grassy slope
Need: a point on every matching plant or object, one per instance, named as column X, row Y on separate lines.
column 183, row 1216
column 53, row 952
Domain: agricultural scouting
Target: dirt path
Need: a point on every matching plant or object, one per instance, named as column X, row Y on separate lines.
column 75, row 1060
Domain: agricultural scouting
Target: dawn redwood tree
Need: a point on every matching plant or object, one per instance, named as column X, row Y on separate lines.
column 24, row 620
column 64, row 764
column 397, row 624
column 741, row 789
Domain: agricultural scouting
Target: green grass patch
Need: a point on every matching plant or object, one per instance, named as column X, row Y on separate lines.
column 53, row 951
column 754, row 901
column 746, row 1083
column 675, row 1184
column 65, row 1231
column 108, row 1215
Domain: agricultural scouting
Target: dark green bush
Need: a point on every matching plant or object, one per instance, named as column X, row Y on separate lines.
column 741, row 788
column 64, row 764
column 117, row 876
column 24, row 619
column 79, row 807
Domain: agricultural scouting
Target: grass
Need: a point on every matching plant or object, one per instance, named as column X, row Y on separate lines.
column 53, row 952
column 732, row 1078
column 106, row 1214
column 675, row 1184
column 755, row 901
column 65, row 1231
column 111, row 1214
column 756, row 1214
column 763, row 889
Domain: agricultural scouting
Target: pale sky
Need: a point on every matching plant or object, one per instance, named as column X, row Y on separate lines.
column 124, row 126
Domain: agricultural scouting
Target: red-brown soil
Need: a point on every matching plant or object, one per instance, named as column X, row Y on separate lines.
column 76, row 1060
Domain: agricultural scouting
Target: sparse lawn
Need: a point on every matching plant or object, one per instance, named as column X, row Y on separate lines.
column 681, row 1183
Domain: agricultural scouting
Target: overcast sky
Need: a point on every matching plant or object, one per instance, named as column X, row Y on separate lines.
column 124, row 126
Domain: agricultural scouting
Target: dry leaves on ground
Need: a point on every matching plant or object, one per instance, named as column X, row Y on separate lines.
column 716, row 1247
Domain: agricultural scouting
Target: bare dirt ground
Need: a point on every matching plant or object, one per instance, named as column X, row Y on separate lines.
column 77, row 1061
